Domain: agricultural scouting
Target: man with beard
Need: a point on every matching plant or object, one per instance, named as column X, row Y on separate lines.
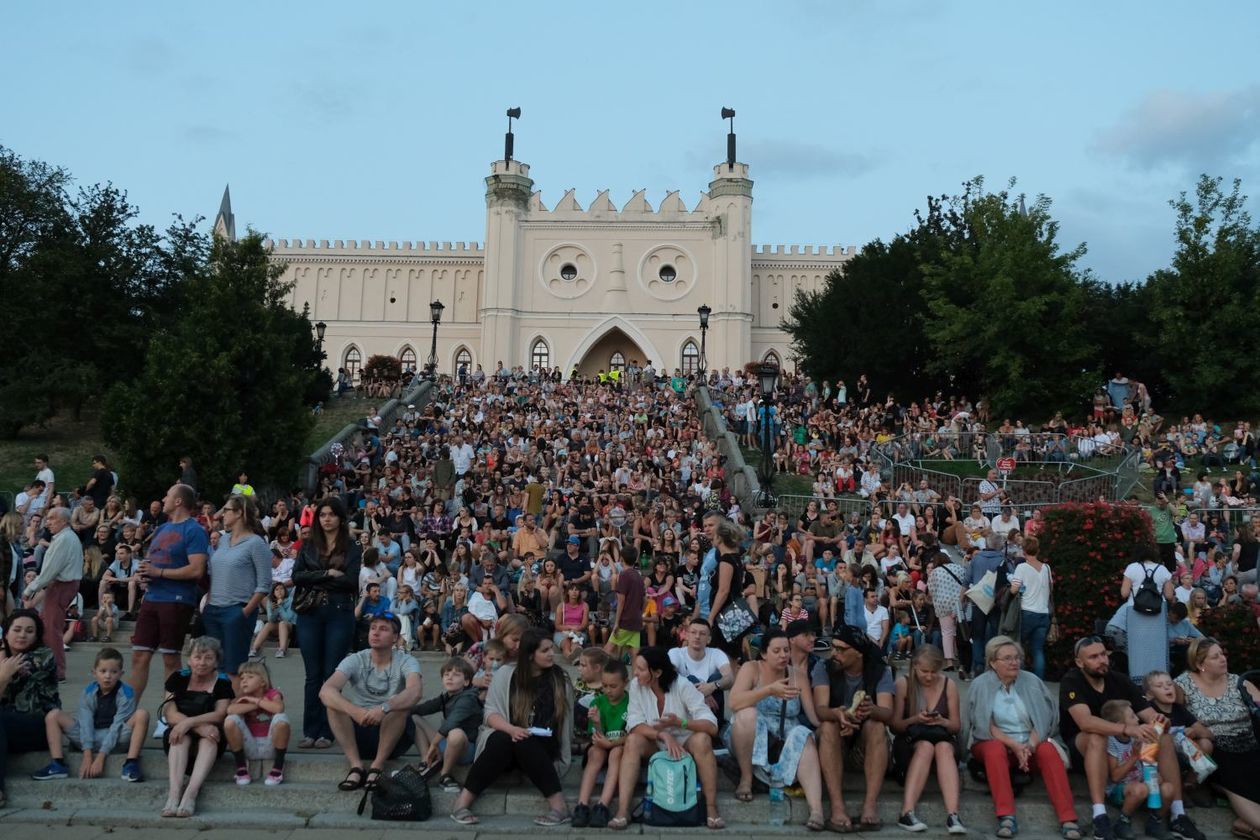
column 1082, row 693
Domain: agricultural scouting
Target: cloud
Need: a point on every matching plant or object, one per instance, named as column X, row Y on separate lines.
column 1193, row 130
column 792, row 159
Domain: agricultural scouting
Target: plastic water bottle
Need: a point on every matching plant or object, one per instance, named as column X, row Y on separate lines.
column 1153, row 800
column 647, row 803
column 778, row 806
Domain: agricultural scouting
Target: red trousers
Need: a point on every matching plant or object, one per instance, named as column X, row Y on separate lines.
column 58, row 596
column 1046, row 761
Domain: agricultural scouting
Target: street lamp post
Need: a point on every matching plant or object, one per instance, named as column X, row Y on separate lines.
column 320, row 328
column 768, row 375
column 435, row 315
column 704, row 311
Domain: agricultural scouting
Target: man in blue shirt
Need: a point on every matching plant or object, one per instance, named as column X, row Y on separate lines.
column 174, row 565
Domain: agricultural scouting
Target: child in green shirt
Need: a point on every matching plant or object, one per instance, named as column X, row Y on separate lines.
column 607, row 724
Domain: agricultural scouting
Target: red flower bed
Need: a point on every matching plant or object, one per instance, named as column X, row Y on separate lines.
column 1088, row 545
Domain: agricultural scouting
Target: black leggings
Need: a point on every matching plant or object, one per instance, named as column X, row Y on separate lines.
column 22, row 733
column 533, row 755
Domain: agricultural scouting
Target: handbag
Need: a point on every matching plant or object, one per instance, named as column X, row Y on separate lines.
column 776, row 740
column 983, row 594
column 735, row 619
column 1012, row 617
column 401, row 797
column 1052, row 634
column 308, row 600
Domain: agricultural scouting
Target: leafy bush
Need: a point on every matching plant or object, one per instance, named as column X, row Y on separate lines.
column 1236, row 629
column 387, row 368
column 1088, row 545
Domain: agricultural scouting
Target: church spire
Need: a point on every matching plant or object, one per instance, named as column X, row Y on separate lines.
column 225, row 222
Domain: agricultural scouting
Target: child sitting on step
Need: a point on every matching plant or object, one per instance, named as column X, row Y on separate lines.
column 107, row 720
column 256, row 727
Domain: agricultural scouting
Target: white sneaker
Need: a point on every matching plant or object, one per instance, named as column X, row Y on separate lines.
column 954, row 825
column 160, row 729
column 910, row 822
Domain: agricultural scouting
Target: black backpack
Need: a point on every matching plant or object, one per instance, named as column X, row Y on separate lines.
column 1147, row 600
column 403, row 796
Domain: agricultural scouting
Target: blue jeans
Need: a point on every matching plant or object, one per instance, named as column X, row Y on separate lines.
column 1033, row 627
column 324, row 636
column 233, row 629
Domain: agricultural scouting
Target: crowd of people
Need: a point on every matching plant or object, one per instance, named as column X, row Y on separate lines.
column 572, row 551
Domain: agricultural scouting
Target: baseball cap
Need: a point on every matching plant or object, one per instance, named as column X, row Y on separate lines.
column 575, row 540
column 669, row 601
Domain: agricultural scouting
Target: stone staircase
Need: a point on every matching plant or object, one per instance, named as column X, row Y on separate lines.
column 309, row 798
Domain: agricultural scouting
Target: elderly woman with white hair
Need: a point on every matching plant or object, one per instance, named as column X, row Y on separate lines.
column 1012, row 722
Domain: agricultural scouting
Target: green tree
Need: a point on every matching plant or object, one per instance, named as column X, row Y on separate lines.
column 1203, row 308
column 228, row 383
column 1007, row 308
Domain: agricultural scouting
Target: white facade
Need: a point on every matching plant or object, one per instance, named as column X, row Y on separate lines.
column 566, row 286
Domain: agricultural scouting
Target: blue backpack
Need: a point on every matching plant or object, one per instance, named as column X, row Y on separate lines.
column 673, row 792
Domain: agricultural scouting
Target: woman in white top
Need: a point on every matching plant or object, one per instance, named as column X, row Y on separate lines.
column 1033, row 582
column 666, row 713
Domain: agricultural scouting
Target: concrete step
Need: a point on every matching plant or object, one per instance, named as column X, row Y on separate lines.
column 233, row 825
column 320, row 804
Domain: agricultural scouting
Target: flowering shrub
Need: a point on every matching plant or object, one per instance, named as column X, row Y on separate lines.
column 1088, row 545
column 1235, row 628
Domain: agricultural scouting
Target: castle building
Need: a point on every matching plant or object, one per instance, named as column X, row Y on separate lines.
column 594, row 288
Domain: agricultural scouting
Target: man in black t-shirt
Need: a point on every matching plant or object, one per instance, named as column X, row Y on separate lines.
column 1082, row 693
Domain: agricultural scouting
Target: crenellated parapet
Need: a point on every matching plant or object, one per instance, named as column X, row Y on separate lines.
column 603, row 208
column 282, row 246
column 804, row 250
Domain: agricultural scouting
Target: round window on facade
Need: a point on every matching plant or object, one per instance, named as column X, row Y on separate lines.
column 668, row 274
column 568, row 272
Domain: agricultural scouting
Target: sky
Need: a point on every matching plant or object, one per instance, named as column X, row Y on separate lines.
column 379, row 120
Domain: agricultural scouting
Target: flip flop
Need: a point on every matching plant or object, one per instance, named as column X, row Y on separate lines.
column 1247, row 833
column 618, row 823
column 715, row 823
column 815, row 823
column 744, row 794
column 844, row 826
column 871, row 825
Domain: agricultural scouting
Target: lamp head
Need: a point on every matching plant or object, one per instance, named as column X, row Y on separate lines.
column 435, row 311
column 319, row 330
column 704, row 312
column 768, row 374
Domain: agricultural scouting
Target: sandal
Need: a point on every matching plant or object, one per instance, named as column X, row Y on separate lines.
column 1247, row 832
column 1007, row 827
column 844, row 826
column 870, row 825
column 353, row 780
column 1070, row 831
column 618, row 823
column 552, row 818
column 816, row 822
column 715, row 823
column 744, row 794
column 185, row 811
column 373, row 773
column 464, row 817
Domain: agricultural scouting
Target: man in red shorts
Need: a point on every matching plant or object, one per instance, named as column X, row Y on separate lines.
column 173, row 565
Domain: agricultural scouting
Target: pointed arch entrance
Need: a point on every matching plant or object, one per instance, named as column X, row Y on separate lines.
column 614, row 342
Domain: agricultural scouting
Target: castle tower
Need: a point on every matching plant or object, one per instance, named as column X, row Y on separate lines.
column 730, row 325
column 508, row 189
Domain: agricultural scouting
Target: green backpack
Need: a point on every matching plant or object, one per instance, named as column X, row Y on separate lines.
column 673, row 792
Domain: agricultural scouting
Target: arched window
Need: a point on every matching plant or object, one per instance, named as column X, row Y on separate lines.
column 772, row 358
column 539, row 355
column 463, row 357
column 408, row 359
column 690, row 358
column 617, row 361
column 353, row 362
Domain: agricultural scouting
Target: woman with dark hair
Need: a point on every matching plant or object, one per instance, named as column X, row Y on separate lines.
column 326, row 583
column 240, row 578
column 28, row 688
column 666, row 713
column 766, row 737
column 527, row 726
